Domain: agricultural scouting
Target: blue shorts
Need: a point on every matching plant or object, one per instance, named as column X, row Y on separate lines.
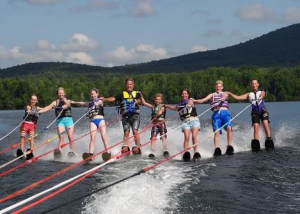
column 65, row 122
column 190, row 123
column 97, row 121
column 221, row 118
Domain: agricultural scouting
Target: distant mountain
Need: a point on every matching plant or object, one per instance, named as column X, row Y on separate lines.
column 278, row 48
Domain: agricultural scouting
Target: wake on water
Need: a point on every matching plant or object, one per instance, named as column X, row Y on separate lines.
column 159, row 189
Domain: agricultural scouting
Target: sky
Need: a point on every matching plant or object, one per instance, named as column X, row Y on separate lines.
column 118, row 32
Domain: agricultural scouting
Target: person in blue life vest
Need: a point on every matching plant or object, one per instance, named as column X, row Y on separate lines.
column 64, row 120
column 130, row 100
column 259, row 113
column 96, row 114
column 190, row 123
column 221, row 116
column 158, row 116
column 29, row 126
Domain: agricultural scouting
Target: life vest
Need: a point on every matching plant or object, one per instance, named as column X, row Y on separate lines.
column 128, row 103
column 95, row 109
column 257, row 104
column 32, row 116
column 186, row 111
column 155, row 111
column 66, row 112
column 216, row 101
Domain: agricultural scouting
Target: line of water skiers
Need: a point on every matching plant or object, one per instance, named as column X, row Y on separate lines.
column 130, row 101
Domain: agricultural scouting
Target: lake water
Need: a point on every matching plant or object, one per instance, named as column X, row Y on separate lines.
column 263, row 182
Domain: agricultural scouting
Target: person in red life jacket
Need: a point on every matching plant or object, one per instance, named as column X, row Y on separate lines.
column 190, row 122
column 64, row 120
column 96, row 114
column 221, row 116
column 259, row 113
column 129, row 109
column 29, row 126
column 159, row 126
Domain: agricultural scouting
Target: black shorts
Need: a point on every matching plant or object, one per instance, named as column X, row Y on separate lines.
column 131, row 120
column 259, row 116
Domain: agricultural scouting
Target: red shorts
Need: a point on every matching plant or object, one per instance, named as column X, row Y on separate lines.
column 28, row 128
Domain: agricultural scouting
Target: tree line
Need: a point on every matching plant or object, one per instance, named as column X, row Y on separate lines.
column 281, row 84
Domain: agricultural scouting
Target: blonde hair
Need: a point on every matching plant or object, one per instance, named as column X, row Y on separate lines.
column 159, row 95
column 219, row 82
column 129, row 79
column 60, row 88
column 94, row 89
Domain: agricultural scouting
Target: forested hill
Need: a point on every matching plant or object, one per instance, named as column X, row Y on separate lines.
column 280, row 48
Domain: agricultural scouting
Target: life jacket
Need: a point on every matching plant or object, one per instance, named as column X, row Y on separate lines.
column 66, row 112
column 186, row 111
column 216, row 101
column 32, row 116
column 95, row 109
column 128, row 103
column 257, row 104
column 155, row 111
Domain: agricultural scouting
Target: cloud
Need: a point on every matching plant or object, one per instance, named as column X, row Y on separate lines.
column 292, row 15
column 38, row 2
column 200, row 13
column 79, row 42
column 199, row 48
column 141, row 53
column 95, row 5
column 255, row 12
column 75, row 50
column 214, row 21
column 212, row 33
column 142, row 8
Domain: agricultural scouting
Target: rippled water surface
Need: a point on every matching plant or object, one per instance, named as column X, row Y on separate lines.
column 263, row 182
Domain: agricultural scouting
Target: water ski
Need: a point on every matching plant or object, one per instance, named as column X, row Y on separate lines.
column 151, row 156
column 217, row 152
column 30, row 155
column 106, row 156
column 125, row 149
column 19, row 153
column 255, row 145
column 136, row 150
column 57, row 154
column 166, row 154
column 186, row 157
column 269, row 144
column 196, row 156
column 71, row 155
column 87, row 155
column 229, row 150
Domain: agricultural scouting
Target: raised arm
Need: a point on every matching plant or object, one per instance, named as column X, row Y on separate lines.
column 144, row 103
column 108, row 99
column 47, row 108
column 172, row 107
column 79, row 103
column 241, row 97
column 205, row 99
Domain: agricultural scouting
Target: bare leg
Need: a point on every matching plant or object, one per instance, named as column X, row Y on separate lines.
column 31, row 141
column 93, row 133
column 60, row 130
column 70, row 131
column 267, row 128
column 217, row 139
column 256, row 131
column 186, row 133
column 153, row 143
column 164, row 142
column 102, row 128
column 229, row 135
column 136, row 137
column 194, row 138
column 126, row 136
column 22, row 141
